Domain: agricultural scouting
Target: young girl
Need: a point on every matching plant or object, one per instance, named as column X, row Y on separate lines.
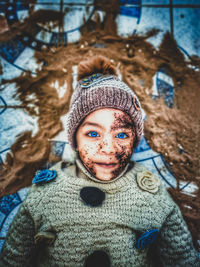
column 104, row 210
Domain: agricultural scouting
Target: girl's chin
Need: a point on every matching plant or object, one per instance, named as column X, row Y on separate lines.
column 104, row 176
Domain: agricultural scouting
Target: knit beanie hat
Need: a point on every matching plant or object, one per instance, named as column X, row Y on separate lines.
column 99, row 87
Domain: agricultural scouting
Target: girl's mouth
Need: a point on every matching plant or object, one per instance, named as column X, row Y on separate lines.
column 106, row 165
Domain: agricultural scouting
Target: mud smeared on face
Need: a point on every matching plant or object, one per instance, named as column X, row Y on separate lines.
column 122, row 121
column 87, row 161
column 124, row 155
column 106, row 155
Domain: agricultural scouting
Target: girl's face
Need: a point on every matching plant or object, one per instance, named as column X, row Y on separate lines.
column 105, row 142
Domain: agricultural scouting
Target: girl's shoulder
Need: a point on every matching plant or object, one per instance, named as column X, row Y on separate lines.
column 150, row 188
column 47, row 181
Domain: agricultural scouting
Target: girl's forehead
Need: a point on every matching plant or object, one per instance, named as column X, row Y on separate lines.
column 109, row 116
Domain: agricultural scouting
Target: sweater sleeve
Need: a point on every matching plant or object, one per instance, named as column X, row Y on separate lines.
column 175, row 242
column 19, row 247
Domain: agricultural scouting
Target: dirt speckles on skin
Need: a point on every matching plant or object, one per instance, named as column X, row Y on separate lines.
column 124, row 159
column 106, row 148
column 122, row 121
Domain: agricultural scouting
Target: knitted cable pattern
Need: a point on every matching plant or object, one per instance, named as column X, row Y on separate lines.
column 19, row 246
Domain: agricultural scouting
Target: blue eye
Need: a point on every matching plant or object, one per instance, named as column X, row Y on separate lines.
column 121, row 135
column 93, row 134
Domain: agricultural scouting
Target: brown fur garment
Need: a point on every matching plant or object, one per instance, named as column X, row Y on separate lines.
column 96, row 64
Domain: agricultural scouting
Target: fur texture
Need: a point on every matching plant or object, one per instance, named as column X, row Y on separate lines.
column 96, row 64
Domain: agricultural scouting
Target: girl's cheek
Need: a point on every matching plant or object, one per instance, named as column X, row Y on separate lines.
column 88, row 151
column 86, row 158
column 92, row 149
column 125, row 146
column 124, row 152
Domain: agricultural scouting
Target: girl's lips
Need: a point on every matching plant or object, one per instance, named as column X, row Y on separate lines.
column 105, row 165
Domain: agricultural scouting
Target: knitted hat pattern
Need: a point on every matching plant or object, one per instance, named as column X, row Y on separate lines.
column 99, row 87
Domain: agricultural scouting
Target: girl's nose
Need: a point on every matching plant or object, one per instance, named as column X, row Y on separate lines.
column 107, row 145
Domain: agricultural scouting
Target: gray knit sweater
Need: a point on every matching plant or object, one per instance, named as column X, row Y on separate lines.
column 55, row 227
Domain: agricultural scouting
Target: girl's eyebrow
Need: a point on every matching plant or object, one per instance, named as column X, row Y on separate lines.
column 122, row 126
column 87, row 123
